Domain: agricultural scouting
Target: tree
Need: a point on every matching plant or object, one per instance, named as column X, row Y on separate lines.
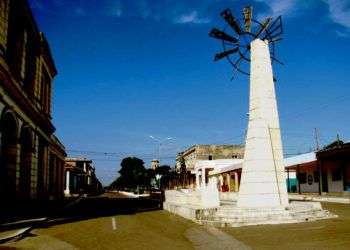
column 132, row 173
column 163, row 170
column 149, row 176
column 164, row 173
column 183, row 171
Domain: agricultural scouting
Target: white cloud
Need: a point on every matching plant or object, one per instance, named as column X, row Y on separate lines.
column 339, row 12
column 191, row 17
column 279, row 7
column 282, row 7
column 342, row 34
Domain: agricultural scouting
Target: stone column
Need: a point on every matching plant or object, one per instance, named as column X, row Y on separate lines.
column 236, row 181
column 203, row 177
column 34, row 168
column 67, row 191
column 228, row 177
column 221, row 181
column 4, row 12
column 18, row 166
column 197, row 179
column 263, row 182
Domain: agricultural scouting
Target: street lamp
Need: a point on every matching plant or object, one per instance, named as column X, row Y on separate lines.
column 158, row 177
column 160, row 142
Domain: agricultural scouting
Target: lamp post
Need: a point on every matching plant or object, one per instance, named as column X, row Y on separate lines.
column 158, row 177
column 160, row 142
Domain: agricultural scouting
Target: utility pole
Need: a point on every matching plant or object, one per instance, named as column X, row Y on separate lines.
column 160, row 142
column 317, row 139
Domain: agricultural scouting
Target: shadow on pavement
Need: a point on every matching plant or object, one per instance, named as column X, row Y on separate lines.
column 82, row 208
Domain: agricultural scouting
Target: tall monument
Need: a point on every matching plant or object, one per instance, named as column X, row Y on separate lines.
column 262, row 197
column 263, row 182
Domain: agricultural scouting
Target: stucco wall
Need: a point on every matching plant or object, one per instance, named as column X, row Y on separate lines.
column 306, row 187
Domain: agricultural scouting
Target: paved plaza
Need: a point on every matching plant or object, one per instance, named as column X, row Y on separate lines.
column 162, row 230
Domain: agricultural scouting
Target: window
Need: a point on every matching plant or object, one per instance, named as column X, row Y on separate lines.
column 316, row 176
column 302, row 178
column 45, row 91
column 80, row 164
column 336, row 174
column 24, row 56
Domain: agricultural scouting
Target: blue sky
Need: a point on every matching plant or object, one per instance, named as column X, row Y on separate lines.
column 130, row 69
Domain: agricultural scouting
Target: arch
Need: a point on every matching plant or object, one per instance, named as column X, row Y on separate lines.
column 26, row 158
column 8, row 154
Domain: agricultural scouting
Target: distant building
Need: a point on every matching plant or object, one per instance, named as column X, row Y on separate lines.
column 207, row 152
column 80, row 177
column 155, row 164
column 31, row 157
column 226, row 171
column 187, row 160
column 324, row 171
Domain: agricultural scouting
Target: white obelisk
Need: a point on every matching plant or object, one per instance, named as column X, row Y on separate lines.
column 263, row 182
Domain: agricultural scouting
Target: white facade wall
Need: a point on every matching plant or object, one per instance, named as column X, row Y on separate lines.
column 334, row 186
column 306, row 187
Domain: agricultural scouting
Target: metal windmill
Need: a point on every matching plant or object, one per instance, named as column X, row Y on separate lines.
column 236, row 40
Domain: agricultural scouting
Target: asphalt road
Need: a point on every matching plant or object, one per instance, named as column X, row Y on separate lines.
column 161, row 230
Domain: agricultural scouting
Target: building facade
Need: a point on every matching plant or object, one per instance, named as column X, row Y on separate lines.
column 155, row 164
column 227, row 173
column 80, row 177
column 324, row 171
column 190, row 156
column 187, row 160
column 31, row 157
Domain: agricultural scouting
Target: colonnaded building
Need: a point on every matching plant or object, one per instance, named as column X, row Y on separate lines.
column 188, row 159
column 31, row 157
column 208, row 152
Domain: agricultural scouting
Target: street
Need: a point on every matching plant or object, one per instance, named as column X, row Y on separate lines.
column 159, row 229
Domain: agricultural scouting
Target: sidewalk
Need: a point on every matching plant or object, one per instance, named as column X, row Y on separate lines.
column 320, row 198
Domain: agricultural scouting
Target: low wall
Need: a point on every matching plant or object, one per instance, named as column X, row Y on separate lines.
column 228, row 196
column 184, row 196
column 303, row 197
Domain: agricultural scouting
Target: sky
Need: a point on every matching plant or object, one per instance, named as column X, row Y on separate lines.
column 131, row 69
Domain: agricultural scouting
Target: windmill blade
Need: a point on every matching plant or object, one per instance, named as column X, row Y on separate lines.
column 218, row 34
column 239, row 60
column 274, row 30
column 274, row 40
column 225, row 53
column 227, row 15
column 264, row 26
column 248, row 12
column 276, row 60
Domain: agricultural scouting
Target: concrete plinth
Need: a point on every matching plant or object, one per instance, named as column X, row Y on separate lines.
column 263, row 182
column 189, row 206
column 296, row 212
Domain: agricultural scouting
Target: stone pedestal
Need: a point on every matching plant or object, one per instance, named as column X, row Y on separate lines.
column 67, row 189
column 263, row 182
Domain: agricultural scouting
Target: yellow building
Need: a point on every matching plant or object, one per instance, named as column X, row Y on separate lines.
column 31, row 157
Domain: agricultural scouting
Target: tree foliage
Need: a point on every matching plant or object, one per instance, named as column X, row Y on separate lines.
column 163, row 170
column 132, row 174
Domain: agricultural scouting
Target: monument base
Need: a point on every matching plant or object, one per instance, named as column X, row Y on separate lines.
column 229, row 215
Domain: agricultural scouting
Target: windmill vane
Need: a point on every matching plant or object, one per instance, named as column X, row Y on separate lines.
column 236, row 39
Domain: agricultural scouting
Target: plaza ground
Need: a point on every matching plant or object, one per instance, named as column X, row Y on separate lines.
column 161, row 230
